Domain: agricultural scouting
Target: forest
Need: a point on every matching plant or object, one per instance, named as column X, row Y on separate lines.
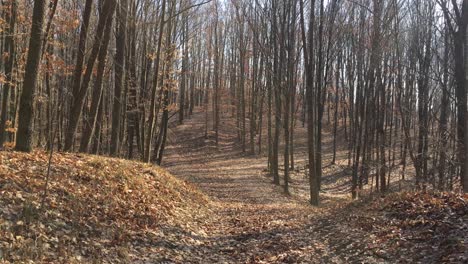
column 233, row 131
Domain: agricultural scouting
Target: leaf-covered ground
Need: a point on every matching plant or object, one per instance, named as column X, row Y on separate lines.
column 115, row 211
column 98, row 209
column 254, row 222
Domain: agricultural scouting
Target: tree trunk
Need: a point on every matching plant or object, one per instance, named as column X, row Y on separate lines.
column 90, row 123
column 79, row 98
column 10, row 49
column 26, row 108
column 120, row 42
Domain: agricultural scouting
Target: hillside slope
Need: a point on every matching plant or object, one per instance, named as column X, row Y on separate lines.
column 97, row 209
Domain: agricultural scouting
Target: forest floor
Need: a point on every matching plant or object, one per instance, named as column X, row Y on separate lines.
column 255, row 222
column 220, row 208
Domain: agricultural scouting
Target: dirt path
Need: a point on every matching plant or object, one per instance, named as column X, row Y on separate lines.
column 254, row 221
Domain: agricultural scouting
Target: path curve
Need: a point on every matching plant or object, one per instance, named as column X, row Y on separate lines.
column 254, row 222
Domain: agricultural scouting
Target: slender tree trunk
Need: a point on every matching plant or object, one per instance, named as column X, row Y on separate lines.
column 121, row 29
column 153, row 113
column 79, row 98
column 90, row 123
column 10, row 49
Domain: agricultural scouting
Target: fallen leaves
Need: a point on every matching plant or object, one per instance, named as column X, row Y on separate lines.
column 423, row 227
column 95, row 209
column 115, row 211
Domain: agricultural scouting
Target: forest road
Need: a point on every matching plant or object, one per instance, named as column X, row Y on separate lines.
column 253, row 220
